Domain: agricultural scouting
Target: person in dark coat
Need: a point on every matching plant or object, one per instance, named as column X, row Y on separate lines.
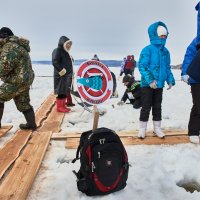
column 132, row 93
column 190, row 74
column 63, row 73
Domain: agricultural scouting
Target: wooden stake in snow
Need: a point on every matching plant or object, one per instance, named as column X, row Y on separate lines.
column 96, row 118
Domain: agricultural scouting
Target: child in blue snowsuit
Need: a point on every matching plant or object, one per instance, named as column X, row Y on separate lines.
column 154, row 67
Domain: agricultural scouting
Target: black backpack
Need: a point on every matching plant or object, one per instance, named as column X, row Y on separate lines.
column 104, row 163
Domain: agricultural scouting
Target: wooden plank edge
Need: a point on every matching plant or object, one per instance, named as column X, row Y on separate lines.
column 72, row 143
column 64, row 136
column 5, row 129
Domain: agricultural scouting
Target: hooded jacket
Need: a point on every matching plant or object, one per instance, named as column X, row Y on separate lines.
column 61, row 58
column 191, row 50
column 15, row 62
column 154, row 62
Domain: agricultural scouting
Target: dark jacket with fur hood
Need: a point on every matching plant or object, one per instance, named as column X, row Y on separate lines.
column 61, row 59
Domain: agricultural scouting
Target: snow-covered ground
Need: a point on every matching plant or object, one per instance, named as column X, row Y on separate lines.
column 155, row 170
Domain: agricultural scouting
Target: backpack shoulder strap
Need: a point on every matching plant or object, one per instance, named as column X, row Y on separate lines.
column 77, row 154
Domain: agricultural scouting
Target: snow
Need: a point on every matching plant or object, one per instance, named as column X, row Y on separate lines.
column 155, row 170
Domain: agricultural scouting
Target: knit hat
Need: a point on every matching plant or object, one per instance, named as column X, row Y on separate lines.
column 161, row 30
column 128, row 78
column 5, row 32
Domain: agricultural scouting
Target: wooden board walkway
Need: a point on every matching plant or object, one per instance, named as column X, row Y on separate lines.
column 4, row 130
column 12, row 149
column 16, row 185
column 130, row 138
column 18, row 182
column 131, row 133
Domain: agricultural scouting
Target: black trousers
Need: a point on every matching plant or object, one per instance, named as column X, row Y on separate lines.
column 194, row 122
column 151, row 98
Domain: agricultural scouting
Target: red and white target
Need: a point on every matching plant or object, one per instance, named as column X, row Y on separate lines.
column 88, row 70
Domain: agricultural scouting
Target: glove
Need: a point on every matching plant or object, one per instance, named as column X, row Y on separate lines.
column 120, row 103
column 169, row 87
column 62, row 72
column 153, row 85
column 185, row 78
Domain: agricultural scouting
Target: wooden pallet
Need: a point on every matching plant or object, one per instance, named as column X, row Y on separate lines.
column 12, row 149
column 130, row 138
column 17, row 184
column 4, row 130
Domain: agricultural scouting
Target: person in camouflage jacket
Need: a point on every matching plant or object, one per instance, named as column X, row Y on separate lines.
column 16, row 74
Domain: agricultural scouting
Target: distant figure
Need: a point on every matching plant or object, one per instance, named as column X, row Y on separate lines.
column 122, row 67
column 132, row 92
column 95, row 57
column 154, row 67
column 114, row 92
column 191, row 66
column 128, row 65
column 63, row 72
column 133, row 64
column 17, row 75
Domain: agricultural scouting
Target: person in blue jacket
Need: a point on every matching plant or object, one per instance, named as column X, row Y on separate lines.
column 190, row 61
column 154, row 67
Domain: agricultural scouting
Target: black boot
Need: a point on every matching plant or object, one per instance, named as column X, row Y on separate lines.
column 30, row 118
column 1, row 112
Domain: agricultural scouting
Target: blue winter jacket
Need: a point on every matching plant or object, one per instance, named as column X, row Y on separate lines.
column 191, row 49
column 154, row 62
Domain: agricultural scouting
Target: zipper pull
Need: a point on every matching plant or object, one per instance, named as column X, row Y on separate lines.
column 93, row 167
column 99, row 154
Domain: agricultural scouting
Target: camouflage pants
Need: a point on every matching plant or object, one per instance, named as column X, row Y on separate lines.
column 20, row 95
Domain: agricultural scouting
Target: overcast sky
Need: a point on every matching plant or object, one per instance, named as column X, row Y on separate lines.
column 110, row 28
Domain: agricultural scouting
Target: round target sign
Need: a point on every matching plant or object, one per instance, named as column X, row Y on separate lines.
column 94, row 82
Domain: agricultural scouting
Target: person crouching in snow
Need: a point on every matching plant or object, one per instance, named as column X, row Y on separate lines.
column 154, row 67
column 63, row 73
column 133, row 92
column 191, row 62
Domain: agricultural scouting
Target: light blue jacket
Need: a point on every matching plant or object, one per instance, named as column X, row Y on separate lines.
column 154, row 62
column 191, row 50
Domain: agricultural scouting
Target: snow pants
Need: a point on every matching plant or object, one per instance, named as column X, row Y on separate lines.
column 151, row 98
column 194, row 121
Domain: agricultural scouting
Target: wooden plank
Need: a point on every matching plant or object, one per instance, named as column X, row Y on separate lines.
column 17, row 184
column 53, row 121
column 4, row 130
column 45, row 109
column 133, row 133
column 72, row 143
column 11, row 150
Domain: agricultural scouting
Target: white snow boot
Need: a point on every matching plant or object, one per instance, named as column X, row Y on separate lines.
column 157, row 129
column 194, row 139
column 142, row 129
